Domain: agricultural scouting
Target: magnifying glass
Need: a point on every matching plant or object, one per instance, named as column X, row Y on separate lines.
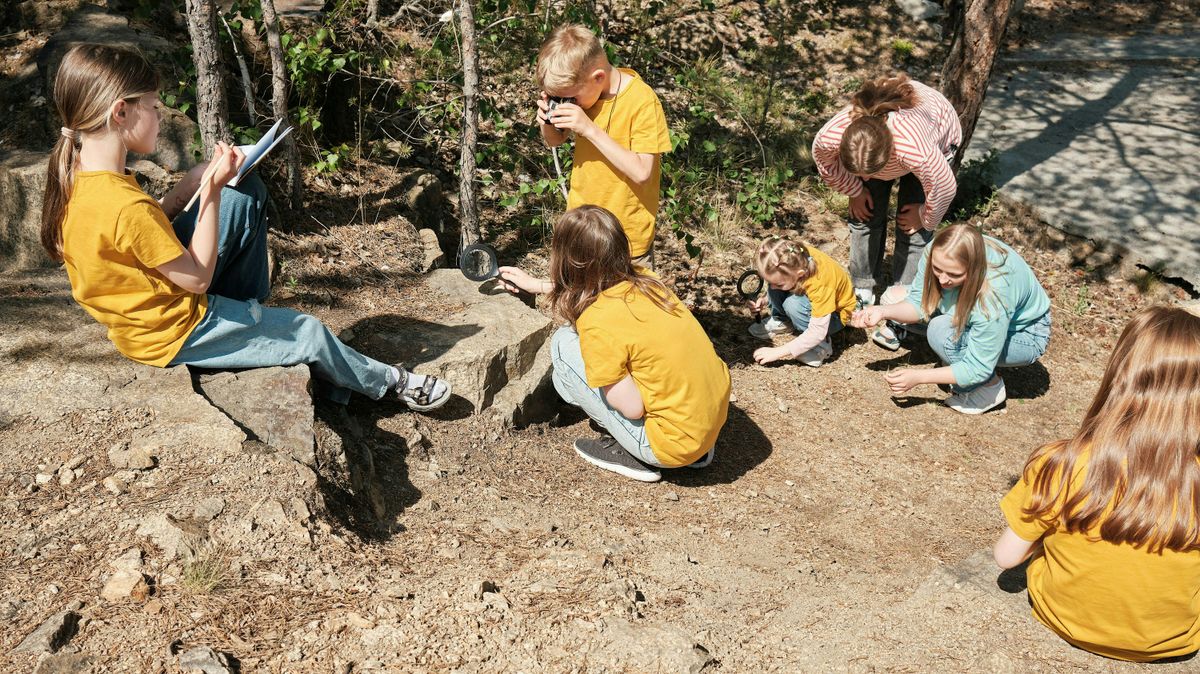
column 750, row 286
column 478, row 262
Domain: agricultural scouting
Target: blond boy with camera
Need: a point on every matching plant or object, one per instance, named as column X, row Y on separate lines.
column 619, row 127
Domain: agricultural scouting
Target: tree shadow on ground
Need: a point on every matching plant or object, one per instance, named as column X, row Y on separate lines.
column 741, row 446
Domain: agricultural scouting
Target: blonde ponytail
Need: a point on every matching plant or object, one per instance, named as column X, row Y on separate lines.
column 90, row 79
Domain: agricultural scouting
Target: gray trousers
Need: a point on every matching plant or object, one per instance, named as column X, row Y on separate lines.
column 867, row 238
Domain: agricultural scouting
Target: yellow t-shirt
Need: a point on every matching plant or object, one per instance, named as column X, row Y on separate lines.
column 114, row 235
column 830, row 289
column 684, row 385
column 1116, row 600
column 634, row 119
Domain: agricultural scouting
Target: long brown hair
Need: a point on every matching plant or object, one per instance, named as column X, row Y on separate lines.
column 867, row 142
column 90, row 79
column 777, row 254
column 590, row 254
column 964, row 244
column 1142, row 437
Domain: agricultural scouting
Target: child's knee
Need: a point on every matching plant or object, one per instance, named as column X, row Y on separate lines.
column 563, row 342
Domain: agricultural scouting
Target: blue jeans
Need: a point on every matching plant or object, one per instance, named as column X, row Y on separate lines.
column 798, row 310
column 867, row 238
column 570, row 380
column 1021, row 348
column 238, row 332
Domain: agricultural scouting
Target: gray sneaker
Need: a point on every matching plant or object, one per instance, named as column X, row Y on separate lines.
column 980, row 400
column 608, row 454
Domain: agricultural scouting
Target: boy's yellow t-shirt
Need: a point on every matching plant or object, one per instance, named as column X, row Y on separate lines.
column 830, row 289
column 114, row 236
column 684, row 384
column 1116, row 600
column 634, row 119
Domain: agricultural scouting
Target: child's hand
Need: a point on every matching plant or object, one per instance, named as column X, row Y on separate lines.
column 757, row 305
column 770, row 354
column 516, row 279
column 861, row 206
column 571, row 117
column 900, row 381
column 225, row 164
column 911, row 217
column 867, row 317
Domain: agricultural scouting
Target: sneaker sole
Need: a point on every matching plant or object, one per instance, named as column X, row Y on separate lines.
column 985, row 410
column 640, row 476
column 433, row 405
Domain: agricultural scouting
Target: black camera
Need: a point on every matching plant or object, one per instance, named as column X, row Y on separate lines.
column 554, row 102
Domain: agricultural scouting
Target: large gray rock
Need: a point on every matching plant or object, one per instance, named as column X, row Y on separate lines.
column 492, row 341
column 22, row 183
column 274, row 404
column 54, row 633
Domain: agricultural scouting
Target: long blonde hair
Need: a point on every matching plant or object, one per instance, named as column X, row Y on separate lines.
column 1142, row 436
column 780, row 255
column 90, row 79
column 964, row 244
column 867, row 142
column 590, row 254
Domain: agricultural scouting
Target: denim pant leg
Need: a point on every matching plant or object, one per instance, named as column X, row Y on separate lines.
column 237, row 334
column 241, row 272
column 570, row 380
column 867, row 238
column 1021, row 348
column 909, row 247
column 798, row 309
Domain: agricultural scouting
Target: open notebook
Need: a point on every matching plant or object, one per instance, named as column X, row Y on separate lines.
column 254, row 154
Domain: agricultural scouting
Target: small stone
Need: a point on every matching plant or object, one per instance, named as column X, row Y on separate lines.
column 480, row 588
column 65, row 663
column 121, row 457
column 733, row 397
column 417, row 440
column 66, row 477
column 153, row 607
column 114, row 486
column 124, row 585
column 42, row 478
column 205, row 660
column 783, row 406
column 670, row 496
column 131, row 560
column 208, row 509
column 77, row 461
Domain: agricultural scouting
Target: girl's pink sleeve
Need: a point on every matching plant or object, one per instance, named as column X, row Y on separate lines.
column 818, row 328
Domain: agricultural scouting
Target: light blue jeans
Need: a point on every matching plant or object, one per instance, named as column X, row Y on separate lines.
column 570, row 380
column 1021, row 348
column 798, row 310
column 238, row 332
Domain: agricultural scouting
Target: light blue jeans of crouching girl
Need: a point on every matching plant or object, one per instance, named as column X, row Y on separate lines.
column 797, row 310
column 1021, row 348
column 570, row 380
column 238, row 332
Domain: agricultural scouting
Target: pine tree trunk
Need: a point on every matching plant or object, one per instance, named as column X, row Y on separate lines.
column 279, row 103
column 212, row 108
column 468, row 205
column 976, row 30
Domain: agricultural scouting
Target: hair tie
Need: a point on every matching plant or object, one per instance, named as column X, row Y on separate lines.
column 69, row 134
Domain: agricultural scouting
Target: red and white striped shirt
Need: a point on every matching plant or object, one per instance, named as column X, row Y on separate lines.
column 922, row 137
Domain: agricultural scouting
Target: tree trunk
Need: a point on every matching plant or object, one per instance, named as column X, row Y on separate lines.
column 372, row 13
column 212, row 109
column 468, row 205
column 279, row 103
column 976, row 30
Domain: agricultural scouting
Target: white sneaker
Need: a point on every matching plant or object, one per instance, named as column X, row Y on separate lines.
column 980, row 400
column 769, row 327
column 815, row 356
column 866, row 296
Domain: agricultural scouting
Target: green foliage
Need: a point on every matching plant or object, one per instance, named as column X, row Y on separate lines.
column 333, row 159
column 976, row 186
column 903, row 48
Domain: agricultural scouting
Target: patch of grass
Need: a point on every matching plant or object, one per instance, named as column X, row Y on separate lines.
column 1083, row 300
column 206, row 573
column 903, row 48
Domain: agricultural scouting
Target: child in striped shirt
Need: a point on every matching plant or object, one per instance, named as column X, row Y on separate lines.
column 894, row 128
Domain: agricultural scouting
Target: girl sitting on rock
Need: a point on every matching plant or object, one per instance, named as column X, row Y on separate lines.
column 1111, row 517
column 809, row 289
column 984, row 310
column 632, row 355
column 188, row 291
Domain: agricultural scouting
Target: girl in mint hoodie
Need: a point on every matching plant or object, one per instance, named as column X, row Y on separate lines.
column 983, row 309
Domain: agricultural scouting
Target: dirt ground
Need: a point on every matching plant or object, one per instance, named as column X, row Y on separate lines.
column 838, row 529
